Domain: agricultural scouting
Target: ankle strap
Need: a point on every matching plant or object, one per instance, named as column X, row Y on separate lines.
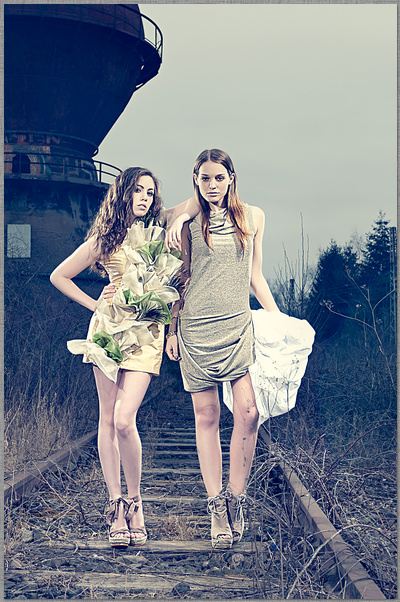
column 132, row 506
column 239, row 501
column 239, row 496
column 215, row 501
column 113, row 508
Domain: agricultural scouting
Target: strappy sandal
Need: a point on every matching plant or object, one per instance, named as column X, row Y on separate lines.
column 138, row 535
column 221, row 534
column 235, row 505
column 118, row 537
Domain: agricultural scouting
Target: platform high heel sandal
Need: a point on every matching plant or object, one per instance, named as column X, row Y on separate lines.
column 138, row 535
column 235, row 504
column 117, row 537
column 221, row 534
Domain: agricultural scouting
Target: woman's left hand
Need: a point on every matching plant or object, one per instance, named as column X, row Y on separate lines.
column 172, row 348
column 173, row 235
column 108, row 293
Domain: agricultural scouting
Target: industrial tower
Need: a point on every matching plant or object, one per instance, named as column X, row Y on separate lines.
column 70, row 71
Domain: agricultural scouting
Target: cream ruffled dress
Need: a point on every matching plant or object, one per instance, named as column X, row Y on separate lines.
column 128, row 332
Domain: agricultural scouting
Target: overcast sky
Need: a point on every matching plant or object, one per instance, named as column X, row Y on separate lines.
column 303, row 98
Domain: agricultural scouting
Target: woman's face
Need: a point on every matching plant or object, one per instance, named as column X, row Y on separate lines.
column 143, row 196
column 213, row 181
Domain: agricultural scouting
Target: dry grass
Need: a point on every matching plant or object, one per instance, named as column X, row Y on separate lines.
column 178, row 527
column 40, row 419
column 354, row 485
column 285, row 566
column 70, row 508
column 33, row 436
column 340, row 439
column 49, row 394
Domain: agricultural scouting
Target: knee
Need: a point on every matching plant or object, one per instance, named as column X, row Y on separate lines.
column 208, row 417
column 124, row 427
column 252, row 419
column 106, row 421
column 248, row 416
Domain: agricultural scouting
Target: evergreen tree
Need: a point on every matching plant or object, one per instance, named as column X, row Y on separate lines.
column 333, row 289
column 376, row 262
column 378, row 277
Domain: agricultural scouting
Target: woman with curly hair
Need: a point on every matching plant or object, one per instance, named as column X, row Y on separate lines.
column 214, row 333
column 126, row 333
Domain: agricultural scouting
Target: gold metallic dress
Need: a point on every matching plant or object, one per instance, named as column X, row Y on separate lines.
column 215, row 332
column 128, row 332
column 220, row 338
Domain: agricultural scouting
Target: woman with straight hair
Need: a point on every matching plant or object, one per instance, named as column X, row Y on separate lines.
column 126, row 334
column 211, row 331
column 212, row 334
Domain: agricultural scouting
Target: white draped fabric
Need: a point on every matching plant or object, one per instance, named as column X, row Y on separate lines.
column 282, row 346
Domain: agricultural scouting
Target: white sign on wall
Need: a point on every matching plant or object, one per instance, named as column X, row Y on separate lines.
column 19, row 240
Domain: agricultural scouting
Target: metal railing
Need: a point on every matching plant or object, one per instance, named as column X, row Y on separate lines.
column 101, row 171
column 107, row 15
column 65, row 167
column 149, row 24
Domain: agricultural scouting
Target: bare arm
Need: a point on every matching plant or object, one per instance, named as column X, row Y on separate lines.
column 172, row 348
column 62, row 276
column 258, row 283
column 189, row 210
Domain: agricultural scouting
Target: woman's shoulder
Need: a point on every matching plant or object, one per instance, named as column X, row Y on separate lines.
column 255, row 210
column 256, row 214
column 92, row 246
column 161, row 219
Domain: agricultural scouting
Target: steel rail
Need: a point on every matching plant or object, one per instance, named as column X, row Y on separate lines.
column 357, row 584
column 22, row 483
column 339, row 557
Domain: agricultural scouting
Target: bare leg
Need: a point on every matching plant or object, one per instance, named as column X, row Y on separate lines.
column 108, row 443
column 107, row 439
column 207, row 412
column 132, row 389
column 244, row 434
column 118, row 438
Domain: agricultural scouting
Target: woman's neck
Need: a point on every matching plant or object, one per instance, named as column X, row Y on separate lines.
column 216, row 207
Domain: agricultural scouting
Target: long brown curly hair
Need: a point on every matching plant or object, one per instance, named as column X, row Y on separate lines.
column 115, row 214
column 235, row 207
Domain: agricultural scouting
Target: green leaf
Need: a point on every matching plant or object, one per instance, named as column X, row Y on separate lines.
column 153, row 248
column 150, row 307
column 108, row 344
column 176, row 253
column 129, row 297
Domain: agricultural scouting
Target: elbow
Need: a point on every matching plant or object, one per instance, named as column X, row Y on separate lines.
column 54, row 278
column 257, row 281
column 254, row 285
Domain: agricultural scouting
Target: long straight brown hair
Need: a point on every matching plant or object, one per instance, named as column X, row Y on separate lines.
column 235, row 207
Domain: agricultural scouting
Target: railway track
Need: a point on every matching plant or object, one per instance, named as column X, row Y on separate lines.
column 56, row 544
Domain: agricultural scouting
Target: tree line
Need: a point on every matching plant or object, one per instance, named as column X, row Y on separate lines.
column 350, row 299
column 356, row 287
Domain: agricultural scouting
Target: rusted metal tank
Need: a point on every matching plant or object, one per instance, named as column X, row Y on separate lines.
column 69, row 72
column 70, row 69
